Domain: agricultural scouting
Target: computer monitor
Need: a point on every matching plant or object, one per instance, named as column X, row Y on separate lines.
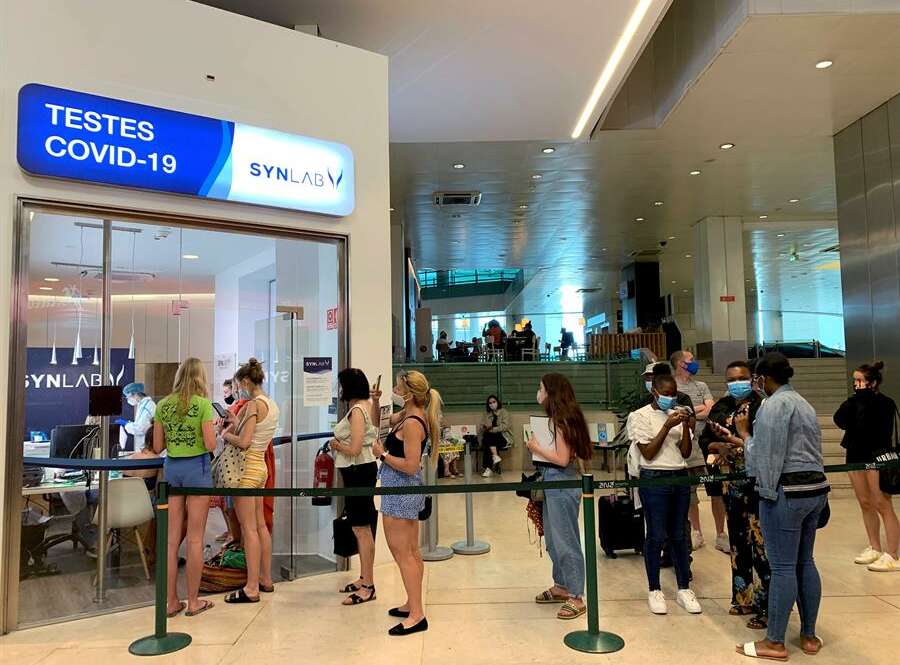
column 72, row 440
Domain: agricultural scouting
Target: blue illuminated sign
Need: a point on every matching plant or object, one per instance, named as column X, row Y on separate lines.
column 67, row 134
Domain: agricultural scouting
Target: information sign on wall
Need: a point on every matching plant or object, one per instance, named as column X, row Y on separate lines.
column 74, row 135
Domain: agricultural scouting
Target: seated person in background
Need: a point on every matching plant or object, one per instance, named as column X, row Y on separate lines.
column 442, row 346
column 496, row 334
column 495, row 434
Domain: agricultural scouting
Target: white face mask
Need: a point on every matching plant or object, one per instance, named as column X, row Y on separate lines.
column 132, row 400
column 398, row 400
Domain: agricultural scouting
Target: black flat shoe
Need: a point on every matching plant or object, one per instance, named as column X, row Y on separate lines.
column 397, row 612
column 400, row 630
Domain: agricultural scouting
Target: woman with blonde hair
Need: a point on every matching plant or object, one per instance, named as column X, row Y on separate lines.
column 401, row 460
column 252, row 433
column 184, row 429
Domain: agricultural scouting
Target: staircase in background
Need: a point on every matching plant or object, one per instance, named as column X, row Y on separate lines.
column 825, row 383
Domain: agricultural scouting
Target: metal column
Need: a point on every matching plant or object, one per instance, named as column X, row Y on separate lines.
column 105, row 343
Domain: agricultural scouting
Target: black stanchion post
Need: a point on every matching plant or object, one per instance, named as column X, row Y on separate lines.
column 592, row 640
column 162, row 641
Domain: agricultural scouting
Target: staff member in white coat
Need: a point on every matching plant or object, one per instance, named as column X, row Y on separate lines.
column 144, row 411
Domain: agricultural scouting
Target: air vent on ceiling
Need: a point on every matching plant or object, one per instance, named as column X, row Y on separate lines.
column 443, row 199
column 119, row 276
column 834, row 248
column 645, row 253
column 589, row 290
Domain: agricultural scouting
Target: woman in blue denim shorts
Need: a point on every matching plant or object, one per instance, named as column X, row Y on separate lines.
column 184, row 429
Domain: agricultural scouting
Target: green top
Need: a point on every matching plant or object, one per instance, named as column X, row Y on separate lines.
column 184, row 433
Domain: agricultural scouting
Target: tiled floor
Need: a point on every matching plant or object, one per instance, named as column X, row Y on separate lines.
column 480, row 610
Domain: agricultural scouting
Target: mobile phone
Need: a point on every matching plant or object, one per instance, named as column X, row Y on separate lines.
column 219, row 409
column 378, row 383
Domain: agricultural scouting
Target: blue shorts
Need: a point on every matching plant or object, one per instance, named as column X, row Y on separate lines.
column 188, row 471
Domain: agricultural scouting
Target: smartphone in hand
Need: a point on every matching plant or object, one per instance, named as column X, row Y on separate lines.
column 219, row 409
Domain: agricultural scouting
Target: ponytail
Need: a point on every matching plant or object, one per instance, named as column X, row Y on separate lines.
column 434, row 407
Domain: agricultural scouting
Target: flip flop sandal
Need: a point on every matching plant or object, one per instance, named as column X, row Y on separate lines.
column 547, row 597
column 207, row 604
column 356, row 599
column 816, row 652
column 174, row 613
column 239, row 596
column 350, row 588
column 740, row 610
column 570, row 611
column 749, row 650
column 758, row 623
column 267, row 589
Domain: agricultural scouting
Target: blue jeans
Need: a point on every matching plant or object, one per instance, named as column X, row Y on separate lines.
column 561, row 533
column 789, row 529
column 665, row 511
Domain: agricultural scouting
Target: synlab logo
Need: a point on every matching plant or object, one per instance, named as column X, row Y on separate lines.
column 335, row 181
column 70, row 380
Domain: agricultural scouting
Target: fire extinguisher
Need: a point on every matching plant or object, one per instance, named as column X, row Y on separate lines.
column 323, row 475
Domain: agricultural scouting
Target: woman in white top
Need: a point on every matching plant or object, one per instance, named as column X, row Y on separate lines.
column 255, row 426
column 352, row 444
column 663, row 433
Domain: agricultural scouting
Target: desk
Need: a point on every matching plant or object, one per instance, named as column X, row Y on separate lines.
column 54, row 488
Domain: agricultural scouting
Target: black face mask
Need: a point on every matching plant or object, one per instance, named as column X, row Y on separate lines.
column 229, row 399
column 863, row 392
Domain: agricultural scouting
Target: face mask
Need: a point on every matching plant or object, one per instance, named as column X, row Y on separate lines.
column 245, row 394
column 398, row 400
column 740, row 389
column 862, row 391
column 132, row 400
column 692, row 367
column 493, row 406
column 759, row 386
column 664, row 402
column 649, row 386
column 229, row 399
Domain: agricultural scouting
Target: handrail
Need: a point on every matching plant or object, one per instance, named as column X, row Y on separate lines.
column 137, row 464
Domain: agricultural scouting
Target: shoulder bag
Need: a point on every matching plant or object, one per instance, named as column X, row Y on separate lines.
column 228, row 467
column 889, row 478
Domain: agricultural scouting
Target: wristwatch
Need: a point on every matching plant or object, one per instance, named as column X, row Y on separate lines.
column 382, row 456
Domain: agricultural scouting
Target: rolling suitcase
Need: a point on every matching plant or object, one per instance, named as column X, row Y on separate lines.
column 620, row 524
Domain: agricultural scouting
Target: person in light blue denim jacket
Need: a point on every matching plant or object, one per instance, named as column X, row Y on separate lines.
column 784, row 454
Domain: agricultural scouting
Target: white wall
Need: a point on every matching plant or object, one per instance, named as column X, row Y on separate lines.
column 159, row 54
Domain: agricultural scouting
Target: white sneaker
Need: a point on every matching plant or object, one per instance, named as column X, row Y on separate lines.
column 697, row 540
column 686, row 599
column 867, row 556
column 885, row 564
column 657, row 602
column 722, row 543
column 487, row 473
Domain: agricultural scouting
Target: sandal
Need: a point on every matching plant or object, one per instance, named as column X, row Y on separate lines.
column 207, row 604
column 740, row 610
column 547, row 597
column 350, row 588
column 174, row 613
column 758, row 623
column 240, row 596
column 810, row 652
column 356, row 599
column 749, row 649
column 267, row 588
column 570, row 610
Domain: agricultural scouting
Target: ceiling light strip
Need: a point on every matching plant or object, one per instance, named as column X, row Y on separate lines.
column 618, row 52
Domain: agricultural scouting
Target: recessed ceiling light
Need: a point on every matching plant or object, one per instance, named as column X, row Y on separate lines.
column 609, row 69
column 687, row 256
column 793, row 200
column 657, row 203
column 51, row 279
column 726, row 146
column 684, row 290
column 824, row 64
column 639, row 219
column 671, row 237
column 190, row 257
column 674, row 282
column 456, row 242
column 779, row 235
column 536, row 176
column 695, row 172
column 764, row 217
column 459, row 165
column 523, row 207
column 45, row 288
column 603, row 249
column 548, row 150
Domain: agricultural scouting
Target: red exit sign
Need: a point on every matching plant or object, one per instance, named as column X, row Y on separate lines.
column 726, row 298
column 331, row 319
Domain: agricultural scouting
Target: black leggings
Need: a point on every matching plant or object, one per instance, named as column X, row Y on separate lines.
column 489, row 439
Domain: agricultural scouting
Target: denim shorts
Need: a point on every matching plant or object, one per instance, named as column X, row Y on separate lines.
column 188, row 471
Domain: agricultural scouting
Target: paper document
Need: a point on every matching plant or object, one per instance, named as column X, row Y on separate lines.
column 540, row 427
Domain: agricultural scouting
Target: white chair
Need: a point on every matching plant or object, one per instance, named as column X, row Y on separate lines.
column 532, row 352
column 128, row 505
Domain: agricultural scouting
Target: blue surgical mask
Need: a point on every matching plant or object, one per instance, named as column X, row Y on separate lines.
column 649, row 386
column 664, row 402
column 740, row 389
column 692, row 367
column 244, row 394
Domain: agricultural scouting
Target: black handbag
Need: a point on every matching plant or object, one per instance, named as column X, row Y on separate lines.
column 344, row 538
column 532, row 495
column 425, row 513
column 889, row 479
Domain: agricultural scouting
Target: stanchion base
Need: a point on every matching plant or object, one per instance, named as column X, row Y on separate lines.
column 157, row 646
column 478, row 547
column 439, row 553
column 583, row 640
